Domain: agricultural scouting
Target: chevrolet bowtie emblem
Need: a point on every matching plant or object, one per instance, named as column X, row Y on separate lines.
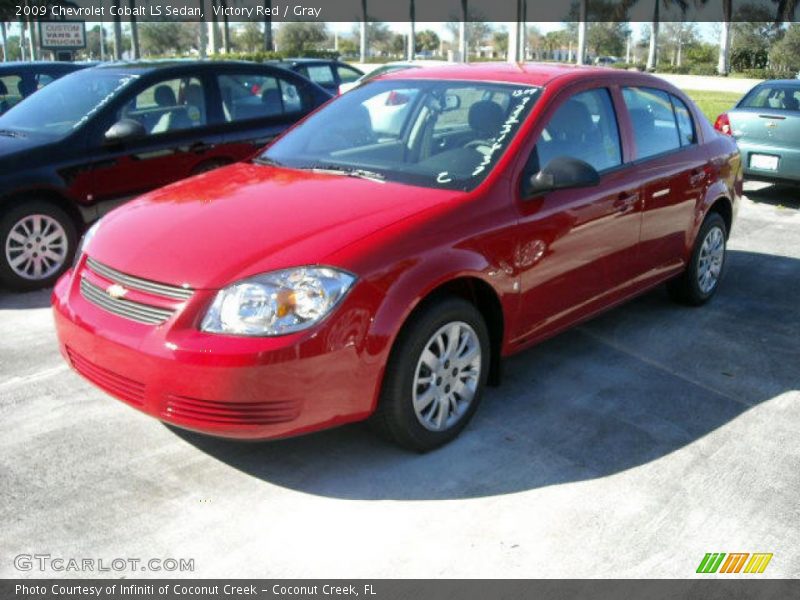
column 771, row 124
column 116, row 291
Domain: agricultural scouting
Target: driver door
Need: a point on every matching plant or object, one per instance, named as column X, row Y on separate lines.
column 174, row 116
column 577, row 247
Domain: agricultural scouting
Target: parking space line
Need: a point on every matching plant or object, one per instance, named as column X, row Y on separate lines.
column 26, row 379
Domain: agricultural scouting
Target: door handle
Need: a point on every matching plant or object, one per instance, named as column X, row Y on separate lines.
column 200, row 147
column 625, row 202
column 697, row 176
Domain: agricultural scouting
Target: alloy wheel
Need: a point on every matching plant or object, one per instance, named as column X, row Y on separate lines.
column 447, row 375
column 36, row 247
column 710, row 260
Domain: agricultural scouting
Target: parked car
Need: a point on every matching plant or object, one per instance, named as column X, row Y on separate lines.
column 387, row 68
column 326, row 73
column 766, row 125
column 102, row 135
column 351, row 275
column 18, row 80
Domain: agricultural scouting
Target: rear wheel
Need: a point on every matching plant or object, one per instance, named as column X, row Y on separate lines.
column 38, row 241
column 435, row 376
column 699, row 282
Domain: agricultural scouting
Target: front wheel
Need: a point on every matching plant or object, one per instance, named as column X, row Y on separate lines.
column 38, row 240
column 699, row 282
column 435, row 375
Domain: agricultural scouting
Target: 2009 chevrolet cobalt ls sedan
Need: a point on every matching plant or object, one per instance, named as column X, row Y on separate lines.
column 354, row 271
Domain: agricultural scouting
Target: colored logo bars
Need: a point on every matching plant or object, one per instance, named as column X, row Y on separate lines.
column 713, row 562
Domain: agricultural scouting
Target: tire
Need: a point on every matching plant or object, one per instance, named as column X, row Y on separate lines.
column 455, row 385
column 701, row 279
column 19, row 227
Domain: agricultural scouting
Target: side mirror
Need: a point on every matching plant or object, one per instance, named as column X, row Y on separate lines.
column 125, row 130
column 452, row 102
column 561, row 173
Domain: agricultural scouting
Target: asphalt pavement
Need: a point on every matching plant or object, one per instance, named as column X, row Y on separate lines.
column 627, row 447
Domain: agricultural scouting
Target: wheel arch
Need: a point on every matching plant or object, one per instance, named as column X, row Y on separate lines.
column 46, row 195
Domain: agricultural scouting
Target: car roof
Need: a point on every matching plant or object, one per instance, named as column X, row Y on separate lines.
column 146, row 66
column 537, row 74
column 40, row 65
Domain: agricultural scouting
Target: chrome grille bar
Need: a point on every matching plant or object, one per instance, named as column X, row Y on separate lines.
column 128, row 309
column 136, row 283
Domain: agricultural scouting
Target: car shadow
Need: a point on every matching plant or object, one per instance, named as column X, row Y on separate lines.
column 21, row 300
column 620, row 391
column 776, row 195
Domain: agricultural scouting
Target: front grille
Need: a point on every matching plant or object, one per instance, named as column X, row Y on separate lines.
column 136, row 283
column 231, row 413
column 127, row 389
column 135, row 311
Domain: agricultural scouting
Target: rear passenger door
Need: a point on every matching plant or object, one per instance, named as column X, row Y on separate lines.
column 672, row 165
column 257, row 107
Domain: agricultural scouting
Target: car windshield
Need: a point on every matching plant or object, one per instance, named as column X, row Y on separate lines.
column 64, row 105
column 432, row 133
column 775, row 96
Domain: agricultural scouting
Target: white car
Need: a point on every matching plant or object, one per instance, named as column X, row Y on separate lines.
column 386, row 111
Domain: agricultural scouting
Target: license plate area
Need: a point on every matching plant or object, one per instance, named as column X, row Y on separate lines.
column 764, row 162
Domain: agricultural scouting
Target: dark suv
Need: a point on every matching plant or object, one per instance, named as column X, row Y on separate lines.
column 102, row 135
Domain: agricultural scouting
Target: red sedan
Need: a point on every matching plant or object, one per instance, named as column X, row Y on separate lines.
column 382, row 257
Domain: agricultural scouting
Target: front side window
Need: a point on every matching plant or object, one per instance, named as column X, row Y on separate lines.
column 583, row 127
column 441, row 134
column 168, row 106
column 67, row 103
column 773, row 96
column 655, row 129
column 251, row 96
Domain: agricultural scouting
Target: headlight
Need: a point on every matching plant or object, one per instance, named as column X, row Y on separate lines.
column 84, row 243
column 277, row 303
column 87, row 237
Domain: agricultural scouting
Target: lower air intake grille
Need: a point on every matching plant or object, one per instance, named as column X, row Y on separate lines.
column 127, row 389
column 231, row 413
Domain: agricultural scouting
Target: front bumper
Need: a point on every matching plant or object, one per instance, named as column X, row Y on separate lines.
column 238, row 387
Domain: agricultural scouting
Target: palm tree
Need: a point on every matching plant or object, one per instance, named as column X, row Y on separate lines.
column 412, row 43
column 363, row 49
column 723, row 66
column 462, row 33
column 268, row 25
column 582, row 28
column 134, row 32
column 117, row 34
column 5, row 40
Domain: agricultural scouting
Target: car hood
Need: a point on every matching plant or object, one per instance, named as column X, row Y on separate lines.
column 245, row 219
column 12, row 146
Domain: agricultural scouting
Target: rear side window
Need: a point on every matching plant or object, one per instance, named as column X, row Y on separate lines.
column 346, row 74
column 773, row 96
column 249, row 96
column 685, row 123
column 583, row 127
column 319, row 74
column 655, row 129
column 11, row 90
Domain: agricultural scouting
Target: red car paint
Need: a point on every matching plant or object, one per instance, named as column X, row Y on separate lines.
column 547, row 263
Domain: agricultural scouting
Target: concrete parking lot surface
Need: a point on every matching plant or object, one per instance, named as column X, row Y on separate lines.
column 628, row 447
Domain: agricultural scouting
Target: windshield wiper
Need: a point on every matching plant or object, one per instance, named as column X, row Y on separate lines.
column 263, row 160
column 10, row 133
column 348, row 172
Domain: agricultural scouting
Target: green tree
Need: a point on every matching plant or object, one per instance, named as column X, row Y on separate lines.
column 677, row 36
column 295, row 37
column 785, row 54
column 249, row 37
column 427, row 41
column 477, row 31
column 167, row 37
